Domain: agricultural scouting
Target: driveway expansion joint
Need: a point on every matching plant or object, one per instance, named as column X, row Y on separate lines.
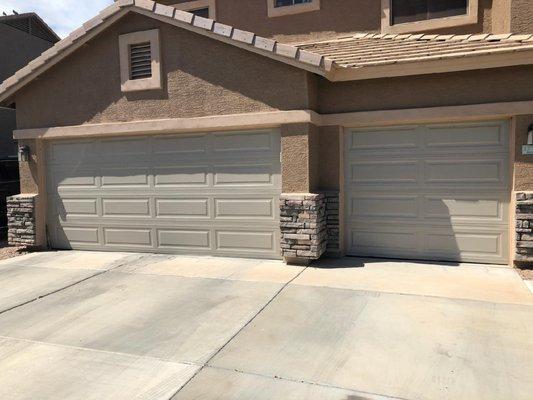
column 375, row 396
column 93, row 350
column 377, row 293
column 206, row 363
column 100, row 272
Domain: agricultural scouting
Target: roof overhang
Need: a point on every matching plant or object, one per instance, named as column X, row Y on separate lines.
column 435, row 66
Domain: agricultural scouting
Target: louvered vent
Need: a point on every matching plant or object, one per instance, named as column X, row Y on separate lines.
column 140, row 61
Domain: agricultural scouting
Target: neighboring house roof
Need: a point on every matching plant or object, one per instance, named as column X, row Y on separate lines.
column 360, row 56
column 32, row 24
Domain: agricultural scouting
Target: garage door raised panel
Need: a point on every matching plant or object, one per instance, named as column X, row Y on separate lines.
column 206, row 193
column 437, row 192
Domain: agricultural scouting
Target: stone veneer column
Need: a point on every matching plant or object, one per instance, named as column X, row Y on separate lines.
column 524, row 227
column 21, row 210
column 332, row 223
column 303, row 227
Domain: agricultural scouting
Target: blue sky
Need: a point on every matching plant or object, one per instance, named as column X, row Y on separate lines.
column 63, row 16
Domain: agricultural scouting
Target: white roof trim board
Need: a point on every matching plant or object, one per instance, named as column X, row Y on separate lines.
column 358, row 56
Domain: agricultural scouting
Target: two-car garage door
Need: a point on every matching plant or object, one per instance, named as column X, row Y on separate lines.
column 436, row 192
column 209, row 193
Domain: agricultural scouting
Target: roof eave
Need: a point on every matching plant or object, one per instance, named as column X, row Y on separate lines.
column 320, row 66
column 426, row 67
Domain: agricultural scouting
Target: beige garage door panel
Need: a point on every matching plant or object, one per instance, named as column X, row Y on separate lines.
column 429, row 192
column 213, row 193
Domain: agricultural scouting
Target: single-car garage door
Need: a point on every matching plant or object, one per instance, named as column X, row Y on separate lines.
column 436, row 192
column 210, row 193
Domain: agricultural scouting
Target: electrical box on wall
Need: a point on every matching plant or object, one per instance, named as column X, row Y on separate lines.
column 527, row 149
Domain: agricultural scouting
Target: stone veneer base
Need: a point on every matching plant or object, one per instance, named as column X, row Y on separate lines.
column 332, row 223
column 21, row 220
column 303, row 227
column 524, row 228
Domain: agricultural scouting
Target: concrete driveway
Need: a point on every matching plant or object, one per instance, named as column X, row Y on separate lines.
column 83, row 325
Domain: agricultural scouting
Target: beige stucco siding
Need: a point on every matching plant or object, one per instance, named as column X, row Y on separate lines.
column 335, row 17
column 451, row 89
column 521, row 16
column 329, row 170
column 201, row 77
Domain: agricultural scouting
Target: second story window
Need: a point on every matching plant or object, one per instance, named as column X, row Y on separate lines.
column 284, row 3
column 404, row 11
column 200, row 8
column 409, row 16
column 280, row 8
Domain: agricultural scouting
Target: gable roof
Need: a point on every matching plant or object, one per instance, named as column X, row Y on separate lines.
column 247, row 40
column 32, row 24
column 359, row 56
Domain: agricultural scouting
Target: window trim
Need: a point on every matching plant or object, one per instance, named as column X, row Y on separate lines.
column 197, row 5
column 133, row 85
column 470, row 18
column 274, row 11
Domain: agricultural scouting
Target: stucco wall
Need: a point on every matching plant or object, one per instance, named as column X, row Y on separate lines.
column 299, row 158
column 7, row 125
column 330, row 153
column 522, row 16
column 202, row 77
column 335, row 18
column 460, row 88
column 523, row 176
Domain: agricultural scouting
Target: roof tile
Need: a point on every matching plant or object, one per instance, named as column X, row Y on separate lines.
column 264, row 43
column 125, row 3
column 310, row 58
column 92, row 23
column 146, row 4
column 166, row 11
column 183, row 16
column 286, row 50
column 204, row 23
column 108, row 11
column 243, row 36
column 222, row 29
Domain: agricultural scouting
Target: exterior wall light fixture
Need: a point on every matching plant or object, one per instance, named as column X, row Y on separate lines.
column 24, row 153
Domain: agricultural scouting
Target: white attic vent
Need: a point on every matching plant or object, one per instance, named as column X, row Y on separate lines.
column 140, row 61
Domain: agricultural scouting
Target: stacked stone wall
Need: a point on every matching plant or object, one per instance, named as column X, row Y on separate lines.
column 303, row 227
column 21, row 220
column 524, row 228
column 332, row 223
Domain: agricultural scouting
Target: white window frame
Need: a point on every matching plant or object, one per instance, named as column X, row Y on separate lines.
column 274, row 11
column 198, row 5
column 471, row 17
column 125, row 41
